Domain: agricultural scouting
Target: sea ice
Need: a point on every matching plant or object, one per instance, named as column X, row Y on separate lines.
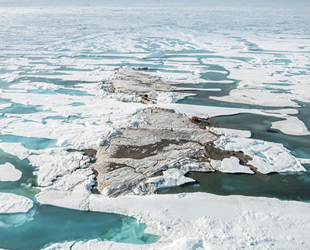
column 257, row 97
column 291, row 126
column 9, row 173
column 232, row 165
column 16, row 149
column 12, row 203
column 267, row 157
column 5, row 105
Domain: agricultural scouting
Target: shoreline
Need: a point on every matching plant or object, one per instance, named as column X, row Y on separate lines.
column 80, row 198
column 190, row 219
column 66, row 178
column 65, row 73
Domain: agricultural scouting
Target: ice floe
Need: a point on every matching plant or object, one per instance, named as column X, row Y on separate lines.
column 16, row 149
column 232, row 165
column 264, row 55
column 8, row 172
column 257, row 97
column 267, row 157
column 291, row 126
column 5, row 105
column 186, row 221
column 12, row 203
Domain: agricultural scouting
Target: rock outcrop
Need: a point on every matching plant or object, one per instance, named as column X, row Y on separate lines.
column 156, row 150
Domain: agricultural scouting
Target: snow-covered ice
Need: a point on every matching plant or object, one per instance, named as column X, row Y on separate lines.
column 12, row 203
column 16, row 149
column 262, row 52
column 8, row 172
column 186, row 221
column 291, row 126
column 267, row 157
column 232, row 165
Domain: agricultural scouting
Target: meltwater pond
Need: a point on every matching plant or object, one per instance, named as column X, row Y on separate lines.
column 46, row 225
column 34, row 143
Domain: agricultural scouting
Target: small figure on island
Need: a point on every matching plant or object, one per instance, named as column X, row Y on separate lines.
column 198, row 119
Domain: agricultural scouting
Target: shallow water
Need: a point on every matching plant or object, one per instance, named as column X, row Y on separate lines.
column 30, row 142
column 288, row 186
column 67, row 43
column 48, row 224
column 260, row 126
column 44, row 225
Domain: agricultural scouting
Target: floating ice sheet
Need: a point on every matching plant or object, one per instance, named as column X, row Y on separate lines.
column 12, row 203
column 8, row 172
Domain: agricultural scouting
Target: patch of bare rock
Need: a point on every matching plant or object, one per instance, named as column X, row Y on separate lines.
column 156, row 150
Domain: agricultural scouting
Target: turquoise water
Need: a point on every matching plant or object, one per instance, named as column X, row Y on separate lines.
column 57, row 38
column 287, row 186
column 26, row 185
column 44, row 225
column 49, row 224
column 73, row 92
column 18, row 108
column 260, row 126
column 30, row 142
column 56, row 81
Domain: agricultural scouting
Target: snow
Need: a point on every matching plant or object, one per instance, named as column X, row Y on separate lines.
column 291, row 126
column 257, row 97
column 5, row 105
column 16, row 149
column 304, row 161
column 53, row 163
column 172, row 177
column 231, row 165
column 259, row 58
column 179, row 244
column 267, row 157
column 171, row 97
column 9, row 173
column 12, row 203
column 34, row 85
column 207, row 111
column 186, row 221
column 230, row 132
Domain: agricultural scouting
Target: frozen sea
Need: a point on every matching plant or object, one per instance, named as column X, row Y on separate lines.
column 255, row 55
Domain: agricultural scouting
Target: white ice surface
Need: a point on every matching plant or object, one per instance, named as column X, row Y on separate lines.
column 267, row 156
column 257, row 97
column 172, row 177
column 16, row 149
column 250, row 56
column 208, row 221
column 8, row 172
column 12, row 203
column 207, row 111
column 171, row 97
column 232, row 165
column 5, row 105
column 230, row 132
column 291, row 126
column 53, row 163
